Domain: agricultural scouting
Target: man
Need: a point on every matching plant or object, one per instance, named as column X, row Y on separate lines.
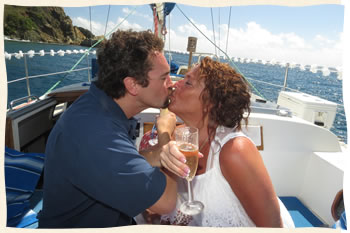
column 94, row 175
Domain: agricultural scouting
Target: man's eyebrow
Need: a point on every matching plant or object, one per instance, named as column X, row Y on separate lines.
column 166, row 73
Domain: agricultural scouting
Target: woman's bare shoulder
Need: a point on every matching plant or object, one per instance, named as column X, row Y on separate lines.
column 238, row 149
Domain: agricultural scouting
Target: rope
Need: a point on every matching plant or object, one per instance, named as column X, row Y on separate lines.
column 222, row 52
column 228, row 28
column 271, row 84
column 87, row 52
column 155, row 19
column 212, row 22
column 164, row 31
column 44, row 75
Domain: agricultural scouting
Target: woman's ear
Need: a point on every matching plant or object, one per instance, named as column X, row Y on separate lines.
column 131, row 86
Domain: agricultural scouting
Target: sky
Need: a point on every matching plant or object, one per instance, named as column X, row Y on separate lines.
column 305, row 35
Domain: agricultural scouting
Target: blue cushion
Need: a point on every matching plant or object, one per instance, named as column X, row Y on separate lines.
column 22, row 173
column 300, row 214
column 341, row 223
column 27, row 220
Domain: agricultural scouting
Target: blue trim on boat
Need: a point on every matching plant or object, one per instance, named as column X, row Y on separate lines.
column 22, row 173
column 301, row 215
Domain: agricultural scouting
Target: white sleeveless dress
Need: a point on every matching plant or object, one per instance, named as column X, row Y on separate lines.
column 222, row 207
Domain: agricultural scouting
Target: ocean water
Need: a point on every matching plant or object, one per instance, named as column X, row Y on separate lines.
column 326, row 87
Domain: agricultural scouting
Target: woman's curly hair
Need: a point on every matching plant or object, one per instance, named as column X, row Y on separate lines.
column 226, row 94
column 125, row 54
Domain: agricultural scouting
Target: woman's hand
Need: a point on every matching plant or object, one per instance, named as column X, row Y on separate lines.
column 173, row 160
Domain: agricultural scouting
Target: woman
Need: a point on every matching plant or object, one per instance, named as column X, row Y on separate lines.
column 231, row 181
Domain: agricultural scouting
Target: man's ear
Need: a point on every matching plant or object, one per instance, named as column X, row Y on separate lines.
column 131, row 86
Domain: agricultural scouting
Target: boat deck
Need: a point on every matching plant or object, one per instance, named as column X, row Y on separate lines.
column 300, row 214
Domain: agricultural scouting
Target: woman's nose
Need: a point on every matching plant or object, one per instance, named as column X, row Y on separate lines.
column 179, row 83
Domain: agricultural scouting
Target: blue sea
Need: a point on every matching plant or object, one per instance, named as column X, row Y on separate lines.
column 326, row 87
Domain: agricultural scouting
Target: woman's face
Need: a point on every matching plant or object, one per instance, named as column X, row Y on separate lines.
column 185, row 101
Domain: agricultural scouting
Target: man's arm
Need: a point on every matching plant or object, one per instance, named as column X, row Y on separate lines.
column 166, row 123
column 167, row 202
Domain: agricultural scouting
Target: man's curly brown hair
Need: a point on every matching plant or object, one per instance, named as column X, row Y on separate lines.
column 226, row 94
column 126, row 53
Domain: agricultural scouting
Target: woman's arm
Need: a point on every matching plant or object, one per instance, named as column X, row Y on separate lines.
column 242, row 166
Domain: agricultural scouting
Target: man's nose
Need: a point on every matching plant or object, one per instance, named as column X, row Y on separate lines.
column 169, row 83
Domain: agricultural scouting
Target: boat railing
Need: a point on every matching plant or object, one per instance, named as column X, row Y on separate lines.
column 31, row 54
column 48, row 74
column 31, row 98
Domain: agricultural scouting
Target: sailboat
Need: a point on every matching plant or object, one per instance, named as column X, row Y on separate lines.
column 305, row 160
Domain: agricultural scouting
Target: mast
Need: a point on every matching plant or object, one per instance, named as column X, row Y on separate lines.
column 158, row 18
column 160, row 11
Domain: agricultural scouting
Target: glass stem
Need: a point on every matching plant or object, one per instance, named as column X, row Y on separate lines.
column 190, row 197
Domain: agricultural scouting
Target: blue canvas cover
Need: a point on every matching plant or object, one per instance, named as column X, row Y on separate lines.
column 22, row 173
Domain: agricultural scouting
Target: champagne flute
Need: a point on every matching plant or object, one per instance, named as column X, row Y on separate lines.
column 187, row 142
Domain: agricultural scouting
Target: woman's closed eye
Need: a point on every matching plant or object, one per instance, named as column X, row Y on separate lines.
column 188, row 83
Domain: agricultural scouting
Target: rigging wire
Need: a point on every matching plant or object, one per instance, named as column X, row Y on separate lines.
column 219, row 32
column 169, row 53
column 87, row 57
column 45, row 75
column 212, row 22
column 109, row 7
column 228, row 28
column 237, row 69
column 90, row 26
column 88, row 51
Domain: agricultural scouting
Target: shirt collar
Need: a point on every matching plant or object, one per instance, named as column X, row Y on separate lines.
column 109, row 105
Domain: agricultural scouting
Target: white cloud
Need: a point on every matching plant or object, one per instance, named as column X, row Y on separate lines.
column 145, row 16
column 127, row 25
column 323, row 41
column 255, row 41
column 126, row 10
column 251, row 41
column 293, row 41
column 99, row 29
column 340, row 43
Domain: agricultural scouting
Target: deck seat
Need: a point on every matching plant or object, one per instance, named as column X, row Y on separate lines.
column 301, row 215
column 22, row 173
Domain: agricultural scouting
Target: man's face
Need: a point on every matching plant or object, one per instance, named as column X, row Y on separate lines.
column 156, row 94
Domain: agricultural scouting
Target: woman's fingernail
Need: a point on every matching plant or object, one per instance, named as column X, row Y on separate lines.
column 183, row 160
column 187, row 172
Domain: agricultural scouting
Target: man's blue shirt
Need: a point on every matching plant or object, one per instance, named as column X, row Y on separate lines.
column 94, row 175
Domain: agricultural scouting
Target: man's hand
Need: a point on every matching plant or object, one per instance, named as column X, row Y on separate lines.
column 166, row 123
